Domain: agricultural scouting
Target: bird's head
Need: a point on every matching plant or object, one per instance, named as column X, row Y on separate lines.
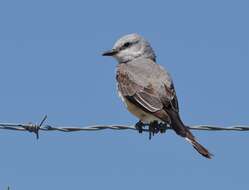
column 130, row 47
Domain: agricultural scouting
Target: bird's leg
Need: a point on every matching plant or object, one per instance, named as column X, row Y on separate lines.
column 139, row 126
column 162, row 127
column 153, row 128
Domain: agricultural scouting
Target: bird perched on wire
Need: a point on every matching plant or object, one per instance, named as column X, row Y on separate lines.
column 147, row 89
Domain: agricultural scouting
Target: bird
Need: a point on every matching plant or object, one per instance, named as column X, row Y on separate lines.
column 147, row 89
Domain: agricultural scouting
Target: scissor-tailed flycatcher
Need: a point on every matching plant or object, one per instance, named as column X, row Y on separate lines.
column 147, row 88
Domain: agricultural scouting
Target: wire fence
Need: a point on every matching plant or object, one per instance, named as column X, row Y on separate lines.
column 36, row 128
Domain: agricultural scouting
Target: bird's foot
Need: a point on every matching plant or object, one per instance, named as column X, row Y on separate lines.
column 163, row 127
column 139, row 126
column 155, row 127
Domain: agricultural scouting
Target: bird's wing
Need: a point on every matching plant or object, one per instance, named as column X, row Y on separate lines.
column 156, row 95
column 169, row 99
column 144, row 96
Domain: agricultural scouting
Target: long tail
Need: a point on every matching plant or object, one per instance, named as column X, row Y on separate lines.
column 182, row 130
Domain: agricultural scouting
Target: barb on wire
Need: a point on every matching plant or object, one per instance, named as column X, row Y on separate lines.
column 36, row 128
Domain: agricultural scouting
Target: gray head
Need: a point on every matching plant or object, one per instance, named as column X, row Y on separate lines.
column 130, row 47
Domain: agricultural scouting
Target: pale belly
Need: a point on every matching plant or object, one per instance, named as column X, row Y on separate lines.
column 145, row 117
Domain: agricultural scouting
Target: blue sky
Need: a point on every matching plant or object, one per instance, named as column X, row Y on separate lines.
column 51, row 63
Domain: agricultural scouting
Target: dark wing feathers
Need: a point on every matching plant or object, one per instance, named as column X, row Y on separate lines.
column 171, row 101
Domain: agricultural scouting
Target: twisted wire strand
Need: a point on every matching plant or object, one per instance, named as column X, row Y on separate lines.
column 35, row 128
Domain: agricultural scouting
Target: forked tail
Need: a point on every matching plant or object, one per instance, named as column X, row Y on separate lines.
column 183, row 131
column 202, row 150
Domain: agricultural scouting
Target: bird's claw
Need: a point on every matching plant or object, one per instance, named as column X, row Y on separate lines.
column 162, row 127
column 139, row 126
column 155, row 127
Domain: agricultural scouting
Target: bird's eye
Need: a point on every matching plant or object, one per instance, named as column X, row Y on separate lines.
column 127, row 44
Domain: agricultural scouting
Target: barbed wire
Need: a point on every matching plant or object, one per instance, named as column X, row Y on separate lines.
column 36, row 128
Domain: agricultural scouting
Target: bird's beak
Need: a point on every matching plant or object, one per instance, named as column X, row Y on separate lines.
column 110, row 52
